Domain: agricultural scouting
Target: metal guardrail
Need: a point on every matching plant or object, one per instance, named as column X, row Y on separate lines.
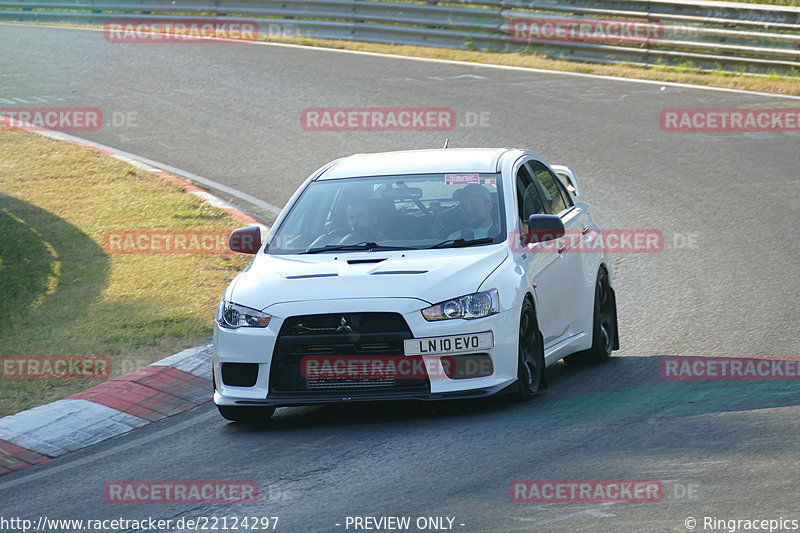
column 754, row 38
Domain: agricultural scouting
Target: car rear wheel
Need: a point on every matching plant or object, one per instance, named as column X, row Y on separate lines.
column 246, row 414
column 530, row 366
column 604, row 334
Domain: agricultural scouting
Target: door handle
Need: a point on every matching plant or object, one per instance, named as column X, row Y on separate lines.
column 562, row 248
column 584, row 231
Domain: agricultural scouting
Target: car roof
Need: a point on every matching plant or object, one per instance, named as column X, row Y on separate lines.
column 416, row 162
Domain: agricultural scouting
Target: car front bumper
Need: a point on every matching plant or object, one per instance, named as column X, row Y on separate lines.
column 257, row 346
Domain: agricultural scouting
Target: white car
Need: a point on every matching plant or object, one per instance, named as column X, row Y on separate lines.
column 426, row 274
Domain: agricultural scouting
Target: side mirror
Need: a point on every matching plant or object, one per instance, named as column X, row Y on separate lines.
column 568, row 176
column 245, row 240
column 542, row 228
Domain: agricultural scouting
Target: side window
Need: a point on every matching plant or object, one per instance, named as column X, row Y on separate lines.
column 528, row 201
column 555, row 198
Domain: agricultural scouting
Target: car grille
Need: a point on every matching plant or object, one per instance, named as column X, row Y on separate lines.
column 375, row 335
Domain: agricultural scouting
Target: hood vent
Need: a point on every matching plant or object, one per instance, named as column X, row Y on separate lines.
column 306, row 276
column 365, row 261
column 399, row 272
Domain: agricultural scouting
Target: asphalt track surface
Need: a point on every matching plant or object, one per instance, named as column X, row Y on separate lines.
column 231, row 112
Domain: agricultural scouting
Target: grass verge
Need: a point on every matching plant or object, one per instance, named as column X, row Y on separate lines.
column 63, row 294
column 776, row 84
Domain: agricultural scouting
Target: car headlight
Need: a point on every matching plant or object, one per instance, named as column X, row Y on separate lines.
column 477, row 305
column 231, row 315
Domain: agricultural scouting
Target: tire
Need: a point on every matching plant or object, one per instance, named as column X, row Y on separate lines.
column 604, row 326
column 530, row 356
column 245, row 414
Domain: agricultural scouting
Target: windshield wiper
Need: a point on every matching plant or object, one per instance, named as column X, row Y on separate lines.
column 366, row 245
column 460, row 243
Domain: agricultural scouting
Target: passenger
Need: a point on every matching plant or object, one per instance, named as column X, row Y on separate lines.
column 476, row 206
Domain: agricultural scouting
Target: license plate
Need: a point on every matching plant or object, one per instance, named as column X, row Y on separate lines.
column 471, row 342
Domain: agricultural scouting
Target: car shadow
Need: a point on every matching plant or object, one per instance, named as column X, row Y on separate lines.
column 626, row 388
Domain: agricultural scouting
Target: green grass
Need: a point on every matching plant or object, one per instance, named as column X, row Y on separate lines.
column 63, row 294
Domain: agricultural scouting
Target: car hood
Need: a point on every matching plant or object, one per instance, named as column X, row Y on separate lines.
column 429, row 275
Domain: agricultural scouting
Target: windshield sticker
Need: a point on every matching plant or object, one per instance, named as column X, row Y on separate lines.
column 464, row 179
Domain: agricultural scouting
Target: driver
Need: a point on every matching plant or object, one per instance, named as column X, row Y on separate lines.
column 476, row 205
column 362, row 221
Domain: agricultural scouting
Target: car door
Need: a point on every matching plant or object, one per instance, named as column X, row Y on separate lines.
column 566, row 272
column 541, row 264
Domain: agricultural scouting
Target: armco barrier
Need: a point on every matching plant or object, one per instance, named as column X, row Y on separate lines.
column 744, row 37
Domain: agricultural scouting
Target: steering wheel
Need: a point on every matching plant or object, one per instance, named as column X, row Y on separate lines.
column 356, row 236
column 332, row 237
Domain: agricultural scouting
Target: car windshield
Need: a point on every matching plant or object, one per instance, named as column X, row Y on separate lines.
column 394, row 212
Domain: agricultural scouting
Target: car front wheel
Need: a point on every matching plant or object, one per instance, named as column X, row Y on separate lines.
column 530, row 366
